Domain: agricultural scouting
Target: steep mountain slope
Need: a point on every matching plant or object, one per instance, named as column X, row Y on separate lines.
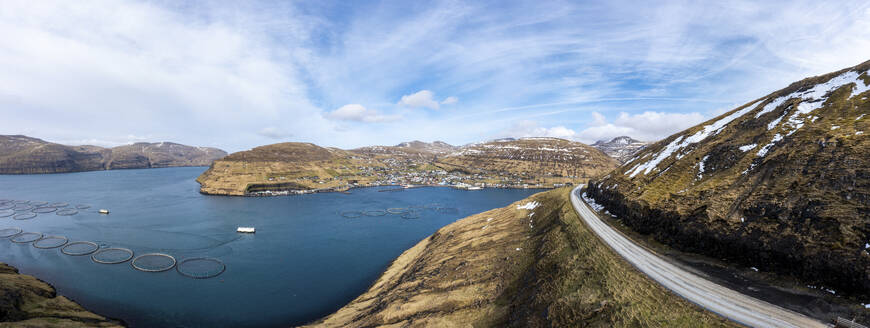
column 545, row 157
column 621, row 148
column 530, row 264
column 781, row 184
column 26, row 155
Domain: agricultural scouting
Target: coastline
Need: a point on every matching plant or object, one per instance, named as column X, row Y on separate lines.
column 28, row 301
column 346, row 190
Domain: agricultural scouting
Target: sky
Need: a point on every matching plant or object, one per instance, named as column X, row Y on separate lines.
column 239, row 74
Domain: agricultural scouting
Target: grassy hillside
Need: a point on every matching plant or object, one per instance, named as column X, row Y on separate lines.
column 28, row 302
column 519, row 268
column 781, row 184
column 303, row 167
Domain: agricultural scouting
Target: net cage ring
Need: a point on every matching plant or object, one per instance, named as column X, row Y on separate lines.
column 59, row 204
column 352, row 214
column 22, row 207
column 39, row 204
column 10, row 232
column 24, row 216
column 186, row 268
column 397, row 210
column 153, row 255
column 83, row 206
column 26, row 237
column 6, row 213
column 90, row 248
column 46, row 209
column 7, row 206
column 21, row 201
column 374, row 213
column 411, row 215
column 50, row 242
column 124, row 255
column 67, row 212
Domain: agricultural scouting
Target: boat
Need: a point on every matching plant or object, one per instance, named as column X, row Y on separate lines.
column 104, row 211
column 475, row 188
column 246, row 229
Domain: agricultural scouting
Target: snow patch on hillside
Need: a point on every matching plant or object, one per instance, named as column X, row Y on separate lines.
column 528, row 206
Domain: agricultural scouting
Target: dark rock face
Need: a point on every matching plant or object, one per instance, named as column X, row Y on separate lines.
column 26, row 155
column 782, row 184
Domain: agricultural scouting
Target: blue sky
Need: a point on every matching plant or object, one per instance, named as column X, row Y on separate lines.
column 353, row 73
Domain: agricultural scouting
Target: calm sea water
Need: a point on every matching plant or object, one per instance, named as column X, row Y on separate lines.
column 305, row 261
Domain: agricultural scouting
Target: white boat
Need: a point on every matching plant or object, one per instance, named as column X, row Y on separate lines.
column 104, row 211
column 475, row 188
column 246, row 229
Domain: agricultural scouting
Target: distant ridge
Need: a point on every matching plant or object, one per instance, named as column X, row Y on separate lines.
column 621, row 148
column 26, row 155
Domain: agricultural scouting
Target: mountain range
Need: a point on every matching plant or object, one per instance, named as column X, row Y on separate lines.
column 25, row 155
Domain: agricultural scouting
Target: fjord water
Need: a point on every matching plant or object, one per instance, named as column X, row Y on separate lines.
column 305, row 261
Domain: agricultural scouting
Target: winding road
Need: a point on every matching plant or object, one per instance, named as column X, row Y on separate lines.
column 726, row 302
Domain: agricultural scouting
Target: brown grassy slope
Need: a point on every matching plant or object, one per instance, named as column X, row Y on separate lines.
column 531, row 157
column 284, row 163
column 510, row 267
column 802, row 209
column 28, row 302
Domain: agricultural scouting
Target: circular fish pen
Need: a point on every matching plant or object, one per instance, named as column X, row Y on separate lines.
column 50, row 242
column 7, row 206
column 46, row 209
column 59, row 204
column 200, row 267
column 39, row 204
column 21, row 201
column 352, row 214
column 397, row 210
column 6, row 213
column 83, row 206
column 80, row 248
column 374, row 213
column 112, row 255
column 26, row 237
column 153, row 262
column 22, row 208
column 433, row 206
column 24, row 216
column 67, row 212
column 411, row 215
column 9, row 232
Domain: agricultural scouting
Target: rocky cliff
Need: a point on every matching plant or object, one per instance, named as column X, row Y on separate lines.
column 28, row 302
column 781, row 183
column 26, row 155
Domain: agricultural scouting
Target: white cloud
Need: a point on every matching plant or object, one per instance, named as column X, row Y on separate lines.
column 272, row 132
column 421, row 99
column 358, row 113
column 450, row 100
column 647, row 126
column 527, row 128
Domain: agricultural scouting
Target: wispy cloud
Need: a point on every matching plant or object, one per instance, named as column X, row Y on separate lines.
column 358, row 113
column 214, row 73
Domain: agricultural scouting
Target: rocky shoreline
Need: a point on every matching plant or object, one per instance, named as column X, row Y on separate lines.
column 26, row 301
